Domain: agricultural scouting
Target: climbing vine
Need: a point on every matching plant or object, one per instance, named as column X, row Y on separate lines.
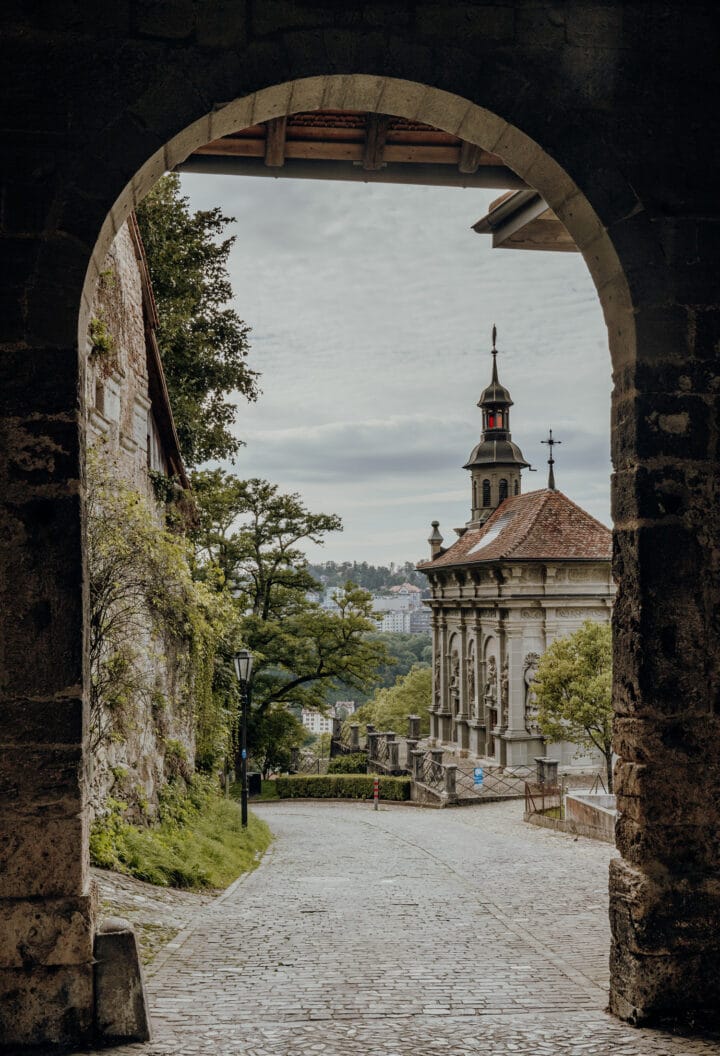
column 145, row 607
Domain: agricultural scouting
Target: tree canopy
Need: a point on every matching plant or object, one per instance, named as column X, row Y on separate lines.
column 203, row 342
column 249, row 542
column 573, row 690
column 390, row 707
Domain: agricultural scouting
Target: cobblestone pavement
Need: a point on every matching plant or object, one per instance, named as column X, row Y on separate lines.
column 401, row 933
column 157, row 913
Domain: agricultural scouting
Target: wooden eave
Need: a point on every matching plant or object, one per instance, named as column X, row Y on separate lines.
column 523, row 220
column 157, row 385
column 352, row 144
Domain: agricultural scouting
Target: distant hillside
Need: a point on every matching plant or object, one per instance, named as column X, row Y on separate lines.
column 371, row 577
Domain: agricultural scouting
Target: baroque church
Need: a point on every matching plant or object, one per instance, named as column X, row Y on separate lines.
column 525, row 570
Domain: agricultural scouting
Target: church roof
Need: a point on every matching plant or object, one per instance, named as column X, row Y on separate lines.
column 538, row 526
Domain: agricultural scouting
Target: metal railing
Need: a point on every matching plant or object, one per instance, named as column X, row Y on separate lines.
column 542, row 798
column 493, row 782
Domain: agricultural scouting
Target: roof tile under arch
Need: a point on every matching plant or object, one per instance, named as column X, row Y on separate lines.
column 540, row 525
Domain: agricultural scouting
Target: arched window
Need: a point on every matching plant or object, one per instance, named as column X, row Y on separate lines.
column 517, row 487
column 503, row 489
column 486, row 493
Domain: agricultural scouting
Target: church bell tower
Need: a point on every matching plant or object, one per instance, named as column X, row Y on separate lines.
column 496, row 462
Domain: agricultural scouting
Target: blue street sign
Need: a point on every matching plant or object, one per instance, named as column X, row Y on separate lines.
column 244, row 754
column 478, row 775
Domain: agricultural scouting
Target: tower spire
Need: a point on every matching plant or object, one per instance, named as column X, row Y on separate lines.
column 551, row 461
column 494, row 354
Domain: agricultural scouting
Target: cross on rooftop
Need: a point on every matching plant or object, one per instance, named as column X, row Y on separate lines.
column 551, row 461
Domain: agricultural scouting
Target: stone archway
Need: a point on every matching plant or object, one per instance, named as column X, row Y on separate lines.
column 135, row 103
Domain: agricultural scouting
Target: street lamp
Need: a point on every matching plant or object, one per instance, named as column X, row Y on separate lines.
column 243, row 661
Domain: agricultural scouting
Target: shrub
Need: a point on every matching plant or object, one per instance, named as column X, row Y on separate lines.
column 341, row 786
column 348, row 764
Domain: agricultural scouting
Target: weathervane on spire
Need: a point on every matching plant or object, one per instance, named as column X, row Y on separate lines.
column 494, row 353
column 551, row 461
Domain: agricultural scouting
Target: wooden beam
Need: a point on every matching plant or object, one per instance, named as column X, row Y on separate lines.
column 375, row 135
column 498, row 176
column 470, row 157
column 275, row 142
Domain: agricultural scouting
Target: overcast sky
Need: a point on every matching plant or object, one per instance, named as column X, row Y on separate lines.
column 371, row 309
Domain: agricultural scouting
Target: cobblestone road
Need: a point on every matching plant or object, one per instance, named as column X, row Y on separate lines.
column 401, row 933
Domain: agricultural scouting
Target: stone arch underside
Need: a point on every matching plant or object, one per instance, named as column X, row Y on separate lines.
column 601, row 152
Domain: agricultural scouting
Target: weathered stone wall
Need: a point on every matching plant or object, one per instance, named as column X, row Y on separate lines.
column 604, row 108
column 158, row 729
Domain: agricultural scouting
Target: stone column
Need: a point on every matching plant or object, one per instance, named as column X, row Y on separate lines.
column 417, row 763
column 515, row 736
column 355, row 736
column 443, row 710
column 47, row 905
column 410, row 749
column 664, row 892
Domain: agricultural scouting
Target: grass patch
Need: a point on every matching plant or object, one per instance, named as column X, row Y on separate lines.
column 198, row 842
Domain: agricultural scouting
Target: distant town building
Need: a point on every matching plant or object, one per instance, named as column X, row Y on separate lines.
column 526, row 570
column 316, row 723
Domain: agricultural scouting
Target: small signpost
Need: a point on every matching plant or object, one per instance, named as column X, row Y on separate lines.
column 376, row 792
column 478, row 776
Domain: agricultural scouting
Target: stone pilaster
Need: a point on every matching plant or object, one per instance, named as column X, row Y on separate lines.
column 46, row 904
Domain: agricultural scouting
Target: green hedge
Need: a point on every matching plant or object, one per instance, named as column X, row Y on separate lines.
column 341, row 786
column 348, row 764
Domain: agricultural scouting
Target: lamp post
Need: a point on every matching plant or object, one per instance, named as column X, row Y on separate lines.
column 243, row 661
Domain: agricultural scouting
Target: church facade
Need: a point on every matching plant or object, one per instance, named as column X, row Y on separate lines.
column 526, row 569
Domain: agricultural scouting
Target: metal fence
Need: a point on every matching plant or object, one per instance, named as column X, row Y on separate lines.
column 492, row 782
column 542, row 799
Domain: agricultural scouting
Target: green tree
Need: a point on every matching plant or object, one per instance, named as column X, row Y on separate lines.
column 202, row 340
column 275, row 734
column 249, row 543
column 573, row 689
column 389, row 708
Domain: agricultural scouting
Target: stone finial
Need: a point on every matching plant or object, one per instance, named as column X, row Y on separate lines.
column 435, row 540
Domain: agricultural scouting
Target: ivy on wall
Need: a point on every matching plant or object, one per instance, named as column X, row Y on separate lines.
column 148, row 613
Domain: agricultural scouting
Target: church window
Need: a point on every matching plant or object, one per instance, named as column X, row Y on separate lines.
column 503, row 489
column 475, row 502
column 517, row 488
column 486, row 493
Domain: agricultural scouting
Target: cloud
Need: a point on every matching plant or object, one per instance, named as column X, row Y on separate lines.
column 371, row 308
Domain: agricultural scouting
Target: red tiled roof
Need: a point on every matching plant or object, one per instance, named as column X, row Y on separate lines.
column 541, row 525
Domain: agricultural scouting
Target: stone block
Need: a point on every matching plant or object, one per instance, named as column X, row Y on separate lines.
column 49, row 932
column 47, row 779
column 661, row 914
column 488, row 24
column 46, row 1006
column 41, row 857
column 120, row 1002
column 53, row 720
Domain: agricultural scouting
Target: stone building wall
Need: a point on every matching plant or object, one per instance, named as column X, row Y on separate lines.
column 486, row 648
column 158, row 736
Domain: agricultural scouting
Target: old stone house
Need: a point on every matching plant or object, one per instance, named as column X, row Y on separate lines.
column 132, row 435
column 527, row 569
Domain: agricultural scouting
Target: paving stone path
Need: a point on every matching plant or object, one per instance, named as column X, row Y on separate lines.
column 401, row 933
